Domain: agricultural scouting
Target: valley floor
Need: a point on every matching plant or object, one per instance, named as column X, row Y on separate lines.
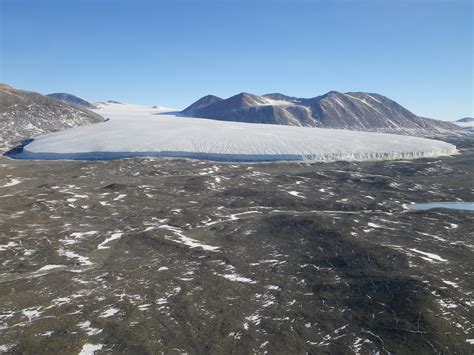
column 148, row 255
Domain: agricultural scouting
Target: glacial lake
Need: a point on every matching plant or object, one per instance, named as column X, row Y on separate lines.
column 466, row 206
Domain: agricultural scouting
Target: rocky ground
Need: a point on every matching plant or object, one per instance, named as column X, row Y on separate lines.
column 149, row 255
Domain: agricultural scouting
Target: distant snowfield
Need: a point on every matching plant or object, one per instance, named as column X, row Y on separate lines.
column 135, row 131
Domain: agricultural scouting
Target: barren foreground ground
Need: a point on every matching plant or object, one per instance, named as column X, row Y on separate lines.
column 148, row 255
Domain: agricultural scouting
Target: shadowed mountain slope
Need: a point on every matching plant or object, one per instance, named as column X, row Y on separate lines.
column 352, row 110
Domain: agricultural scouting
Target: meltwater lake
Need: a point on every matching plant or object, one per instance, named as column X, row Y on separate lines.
column 466, row 206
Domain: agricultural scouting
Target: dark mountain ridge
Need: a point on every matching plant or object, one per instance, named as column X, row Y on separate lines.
column 72, row 100
column 352, row 110
column 203, row 102
column 25, row 114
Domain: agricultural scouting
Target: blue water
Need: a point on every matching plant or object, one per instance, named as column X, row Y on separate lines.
column 467, row 206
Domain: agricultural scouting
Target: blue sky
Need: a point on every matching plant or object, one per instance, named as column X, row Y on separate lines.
column 419, row 53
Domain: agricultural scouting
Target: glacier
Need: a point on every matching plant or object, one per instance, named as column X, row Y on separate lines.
column 140, row 131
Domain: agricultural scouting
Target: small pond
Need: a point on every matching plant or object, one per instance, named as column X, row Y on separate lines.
column 467, row 206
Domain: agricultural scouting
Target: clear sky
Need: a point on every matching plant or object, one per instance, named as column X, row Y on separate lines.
column 417, row 52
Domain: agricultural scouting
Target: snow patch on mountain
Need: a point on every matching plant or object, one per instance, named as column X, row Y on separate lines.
column 266, row 101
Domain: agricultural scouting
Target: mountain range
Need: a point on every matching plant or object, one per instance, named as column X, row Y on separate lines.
column 467, row 123
column 25, row 114
column 466, row 119
column 351, row 110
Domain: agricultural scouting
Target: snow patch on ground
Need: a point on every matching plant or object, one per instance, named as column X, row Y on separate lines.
column 83, row 260
column 296, row 194
column 49, row 267
column 86, row 326
column 179, row 237
column 90, row 349
column 31, row 313
column 238, row 278
column 4, row 247
column 430, row 256
column 114, row 236
column 6, row 347
column 109, row 312
column 11, row 182
column 451, row 283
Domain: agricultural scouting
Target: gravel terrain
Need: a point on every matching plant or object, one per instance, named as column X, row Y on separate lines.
column 147, row 255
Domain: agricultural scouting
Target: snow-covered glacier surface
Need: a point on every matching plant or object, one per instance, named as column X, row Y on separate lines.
column 135, row 131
